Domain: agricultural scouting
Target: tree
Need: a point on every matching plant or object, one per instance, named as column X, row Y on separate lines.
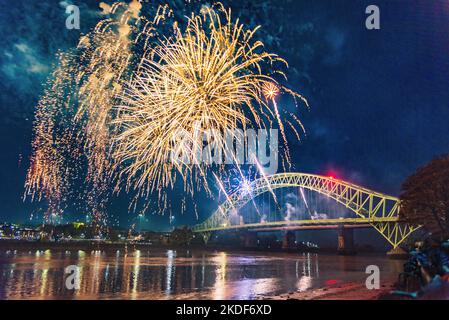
column 181, row 236
column 425, row 197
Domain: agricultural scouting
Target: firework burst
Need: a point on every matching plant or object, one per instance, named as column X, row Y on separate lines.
column 209, row 77
column 130, row 107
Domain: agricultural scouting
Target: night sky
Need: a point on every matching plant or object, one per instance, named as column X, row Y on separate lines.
column 379, row 98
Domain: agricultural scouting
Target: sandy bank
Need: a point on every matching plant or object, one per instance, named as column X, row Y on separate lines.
column 347, row 291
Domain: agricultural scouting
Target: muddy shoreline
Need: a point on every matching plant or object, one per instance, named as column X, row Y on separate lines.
column 87, row 245
column 346, row 291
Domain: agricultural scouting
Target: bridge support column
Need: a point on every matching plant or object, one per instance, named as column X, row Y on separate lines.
column 289, row 240
column 250, row 239
column 345, row 241
column 206, row 236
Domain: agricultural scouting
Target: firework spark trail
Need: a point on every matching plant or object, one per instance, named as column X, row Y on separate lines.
column 247, row 188
column 49, row 176
column 244, row 180
column 246, row 185
column 301, row 190
column 106, row 61
column 73, row 117
column 254, row 202
column 220, row 184
column 271, row 91
column 265, row 178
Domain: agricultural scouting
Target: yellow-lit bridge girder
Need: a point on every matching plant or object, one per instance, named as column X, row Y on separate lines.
column 381, row 211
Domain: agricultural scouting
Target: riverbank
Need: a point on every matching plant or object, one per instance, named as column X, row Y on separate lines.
column 84, row 245
column 91, row 245
column 347, row 291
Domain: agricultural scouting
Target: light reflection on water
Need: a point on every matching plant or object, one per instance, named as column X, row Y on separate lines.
column 182, row 274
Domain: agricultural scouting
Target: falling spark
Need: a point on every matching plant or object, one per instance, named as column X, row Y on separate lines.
column 301, row 190
column 73, row 117
column 223, row 189
column 265, row 178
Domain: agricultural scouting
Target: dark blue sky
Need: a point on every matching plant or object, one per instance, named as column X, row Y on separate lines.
column 379, row 99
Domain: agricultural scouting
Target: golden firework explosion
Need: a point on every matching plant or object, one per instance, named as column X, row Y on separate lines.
column 209, row 77
column 270, row 90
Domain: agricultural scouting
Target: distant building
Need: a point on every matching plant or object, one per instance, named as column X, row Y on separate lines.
column 12, row 231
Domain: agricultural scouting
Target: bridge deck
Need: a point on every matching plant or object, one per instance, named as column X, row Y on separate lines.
column 302, row 224
column 312, row 227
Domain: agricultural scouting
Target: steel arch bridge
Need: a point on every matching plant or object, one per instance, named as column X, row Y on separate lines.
column 379, row 210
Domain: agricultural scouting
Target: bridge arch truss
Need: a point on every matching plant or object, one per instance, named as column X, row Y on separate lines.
column 379, row 210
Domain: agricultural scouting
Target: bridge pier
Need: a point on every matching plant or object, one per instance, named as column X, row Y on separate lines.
column 288, row 241
column 345, row 241
column 250, row 239
column 206, row 237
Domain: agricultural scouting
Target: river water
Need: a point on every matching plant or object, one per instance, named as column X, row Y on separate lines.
column 180, row 274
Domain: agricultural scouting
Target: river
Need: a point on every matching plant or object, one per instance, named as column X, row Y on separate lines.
column 179, row 274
